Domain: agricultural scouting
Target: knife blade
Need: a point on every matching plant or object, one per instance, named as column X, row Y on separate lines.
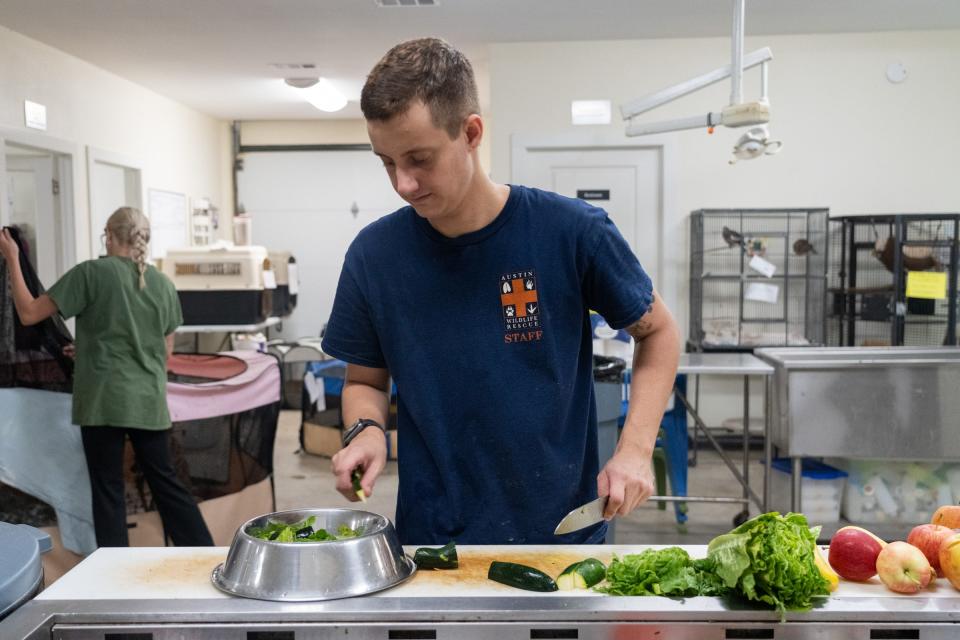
column 583, row 516
column 592, row 512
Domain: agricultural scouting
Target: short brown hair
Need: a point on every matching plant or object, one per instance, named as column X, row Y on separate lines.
column 427, row 69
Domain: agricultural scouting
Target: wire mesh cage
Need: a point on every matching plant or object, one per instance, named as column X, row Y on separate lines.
column 876, row 261
column 757, row 278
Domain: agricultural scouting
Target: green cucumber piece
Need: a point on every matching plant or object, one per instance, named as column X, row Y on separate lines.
column 520, row 576
column 582, row 575
column 443, row 558
column 355, row 477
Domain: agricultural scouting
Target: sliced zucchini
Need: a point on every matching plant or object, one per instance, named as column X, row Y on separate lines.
column 520, row 576
column 443, row 558
column 582, row 575
column 356, row 477
column 305, row 532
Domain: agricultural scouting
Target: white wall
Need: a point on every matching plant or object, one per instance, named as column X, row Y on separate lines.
column 181, row 149
column 327, row 131
column 853, row 141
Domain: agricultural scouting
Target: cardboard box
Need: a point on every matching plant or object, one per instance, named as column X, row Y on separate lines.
column 321, row 440
column 322, row 433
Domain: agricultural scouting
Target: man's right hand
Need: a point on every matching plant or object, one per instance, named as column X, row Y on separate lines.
column 368, row 451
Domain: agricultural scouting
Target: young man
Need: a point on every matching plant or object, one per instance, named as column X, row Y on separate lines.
column 475, row 298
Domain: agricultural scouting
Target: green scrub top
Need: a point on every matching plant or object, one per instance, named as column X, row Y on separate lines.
column 120, row 377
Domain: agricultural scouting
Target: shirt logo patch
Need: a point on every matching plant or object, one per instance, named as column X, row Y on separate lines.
column 521, row 307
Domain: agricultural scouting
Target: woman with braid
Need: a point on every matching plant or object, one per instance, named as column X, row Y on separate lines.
column 126, row 313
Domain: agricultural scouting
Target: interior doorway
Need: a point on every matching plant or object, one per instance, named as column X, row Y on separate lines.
column 34, row 199
column 627, row 178
column 114, row 181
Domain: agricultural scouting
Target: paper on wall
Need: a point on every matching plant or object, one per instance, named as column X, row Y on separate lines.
column 762, row 292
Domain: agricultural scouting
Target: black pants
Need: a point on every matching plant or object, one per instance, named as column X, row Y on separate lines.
column 103, row 447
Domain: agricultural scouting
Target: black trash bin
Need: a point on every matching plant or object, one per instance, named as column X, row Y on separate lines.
column 608, row 376
column 608, row 384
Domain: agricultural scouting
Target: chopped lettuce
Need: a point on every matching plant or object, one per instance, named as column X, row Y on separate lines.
column 661, row 572
column 770, row 558
column 302, row 531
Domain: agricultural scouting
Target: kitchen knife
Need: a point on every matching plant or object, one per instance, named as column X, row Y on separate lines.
column 592, row 513
column 583, row 516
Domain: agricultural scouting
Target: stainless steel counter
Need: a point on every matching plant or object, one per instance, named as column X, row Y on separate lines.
column 893, row 402
column 161, row 594
column 864, row 402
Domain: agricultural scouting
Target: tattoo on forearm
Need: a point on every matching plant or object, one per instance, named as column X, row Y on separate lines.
column 642, row 327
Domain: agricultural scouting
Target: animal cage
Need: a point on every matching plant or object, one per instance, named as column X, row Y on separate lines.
column 873, row 260
column 757, row 278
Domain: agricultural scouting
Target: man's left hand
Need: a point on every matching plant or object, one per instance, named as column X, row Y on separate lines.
column 627, row 479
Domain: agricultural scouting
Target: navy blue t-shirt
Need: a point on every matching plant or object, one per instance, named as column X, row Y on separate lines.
column 487, row 337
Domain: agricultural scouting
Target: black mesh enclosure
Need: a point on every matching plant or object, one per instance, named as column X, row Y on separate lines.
column 22, row 508
column 872, row 258
column 214, row 457
column 31, row 356
column 734, row 304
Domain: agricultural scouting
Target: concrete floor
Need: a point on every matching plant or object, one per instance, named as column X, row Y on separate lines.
column 303, row 480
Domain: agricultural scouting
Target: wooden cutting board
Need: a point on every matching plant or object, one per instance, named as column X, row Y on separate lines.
column 184, row 573
column 470, row 578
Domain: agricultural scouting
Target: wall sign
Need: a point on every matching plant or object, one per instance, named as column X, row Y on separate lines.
column 35, row 115
column 593, row 194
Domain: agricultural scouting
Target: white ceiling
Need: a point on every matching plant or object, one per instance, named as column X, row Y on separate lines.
column 214, row 55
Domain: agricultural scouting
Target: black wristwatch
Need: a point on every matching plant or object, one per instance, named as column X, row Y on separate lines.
column 354, row 430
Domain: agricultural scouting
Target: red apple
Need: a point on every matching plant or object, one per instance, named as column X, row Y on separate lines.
column 928, row 538
column 948, row 516
column 950, row 559
column 853, row 553
column 904, row 568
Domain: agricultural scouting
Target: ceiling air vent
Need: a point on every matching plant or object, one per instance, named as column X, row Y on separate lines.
column 406, row 3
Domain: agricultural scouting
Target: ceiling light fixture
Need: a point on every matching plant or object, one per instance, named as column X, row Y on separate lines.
column 319, row 92
column 738, row 113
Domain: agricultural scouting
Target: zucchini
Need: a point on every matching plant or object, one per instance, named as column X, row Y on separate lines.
column 305, row 532
column 443, row 558
column 582, row 575
column 357, row 489
column 520, row 576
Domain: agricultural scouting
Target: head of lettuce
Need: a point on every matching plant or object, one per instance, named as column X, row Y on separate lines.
column 770, row 558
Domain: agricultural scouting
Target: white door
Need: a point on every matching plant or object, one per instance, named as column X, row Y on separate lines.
column 313, row 204
column 626, row 182
column 32, row 195
column 112, row 185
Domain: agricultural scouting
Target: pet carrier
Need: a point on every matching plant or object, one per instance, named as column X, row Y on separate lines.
column 879, row 266
column 757, row 278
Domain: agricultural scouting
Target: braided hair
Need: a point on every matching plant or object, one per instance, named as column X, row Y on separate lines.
column 132, row 229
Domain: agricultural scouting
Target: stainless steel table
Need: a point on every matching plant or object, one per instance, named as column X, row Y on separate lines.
column 895, row 403
column 165, row 594
column 228, row 329
column 740, row 365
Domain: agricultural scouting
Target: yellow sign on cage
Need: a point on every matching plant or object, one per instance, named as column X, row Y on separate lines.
column 930, row 285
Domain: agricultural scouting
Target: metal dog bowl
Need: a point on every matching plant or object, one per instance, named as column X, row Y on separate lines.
column 304, row 571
